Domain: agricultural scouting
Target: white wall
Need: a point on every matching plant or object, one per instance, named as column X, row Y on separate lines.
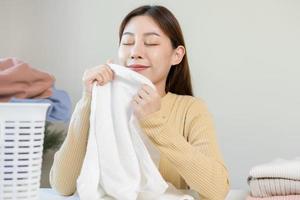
column 244, row 58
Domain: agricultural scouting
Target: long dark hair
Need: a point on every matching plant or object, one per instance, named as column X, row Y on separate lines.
column 179, row 78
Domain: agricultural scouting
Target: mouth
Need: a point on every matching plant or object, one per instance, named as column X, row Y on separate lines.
column 138, row 67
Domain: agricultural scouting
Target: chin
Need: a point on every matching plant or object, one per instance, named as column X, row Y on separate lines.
column 145, row 75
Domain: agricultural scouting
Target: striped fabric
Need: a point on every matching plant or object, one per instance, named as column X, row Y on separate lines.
column 279, row 168
column 266, row 187
column 275, row 180
column 290, row 197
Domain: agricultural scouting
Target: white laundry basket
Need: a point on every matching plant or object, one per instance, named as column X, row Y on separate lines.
column 21, row 147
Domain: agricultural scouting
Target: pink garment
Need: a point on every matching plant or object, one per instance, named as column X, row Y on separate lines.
column 265, row 187
column 288, row 197
column 19, row 80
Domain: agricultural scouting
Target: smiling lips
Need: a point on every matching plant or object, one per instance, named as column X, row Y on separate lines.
column 138, row 67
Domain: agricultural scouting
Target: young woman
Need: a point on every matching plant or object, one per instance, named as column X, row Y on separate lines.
column 178, row 124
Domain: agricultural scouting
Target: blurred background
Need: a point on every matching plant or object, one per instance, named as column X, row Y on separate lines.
column 244, row 58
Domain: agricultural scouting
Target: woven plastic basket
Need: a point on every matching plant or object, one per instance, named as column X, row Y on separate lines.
column 21, row 147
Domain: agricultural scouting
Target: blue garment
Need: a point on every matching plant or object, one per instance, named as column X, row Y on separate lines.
column 60, row 108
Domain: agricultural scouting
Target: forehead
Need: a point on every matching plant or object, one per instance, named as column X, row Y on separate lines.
column 142, row 24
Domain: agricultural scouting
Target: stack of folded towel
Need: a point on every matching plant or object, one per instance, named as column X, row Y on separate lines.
column 277, row 180
column 20, row 82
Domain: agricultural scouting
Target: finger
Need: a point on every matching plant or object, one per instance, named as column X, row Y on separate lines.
column 106, row 66
column 109, row 70
column 137, row 99
column 104, row 71
column 134, row 103
column 91, row 77
column 110, row 73
column 148, row 89
column 100, row 79
column 105, row 75
column 143, row 94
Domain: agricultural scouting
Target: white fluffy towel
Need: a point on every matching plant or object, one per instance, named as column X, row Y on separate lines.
column 117, row 164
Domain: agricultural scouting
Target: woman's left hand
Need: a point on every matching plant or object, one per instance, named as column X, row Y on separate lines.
column 146, row 101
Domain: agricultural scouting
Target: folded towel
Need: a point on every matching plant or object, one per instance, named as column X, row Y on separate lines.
column 60, row 105
column 279, row 168
column 279, row 177
column 18, row 79
column 267, row 187
column 117, row 164
column 290, row 197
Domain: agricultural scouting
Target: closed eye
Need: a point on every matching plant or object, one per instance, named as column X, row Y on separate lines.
column 127, row 44
column 151, row 44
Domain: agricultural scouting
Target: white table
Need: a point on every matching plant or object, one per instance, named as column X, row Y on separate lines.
column 49, row 194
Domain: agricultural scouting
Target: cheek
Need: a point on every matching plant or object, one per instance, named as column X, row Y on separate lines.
column 122, row 55
column 161, row 57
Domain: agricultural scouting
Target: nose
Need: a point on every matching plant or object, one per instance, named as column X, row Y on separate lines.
column 137, row 51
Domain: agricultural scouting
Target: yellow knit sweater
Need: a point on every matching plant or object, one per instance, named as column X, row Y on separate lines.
column 183, row 132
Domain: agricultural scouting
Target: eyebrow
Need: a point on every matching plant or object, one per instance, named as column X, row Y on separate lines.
column 145, row 34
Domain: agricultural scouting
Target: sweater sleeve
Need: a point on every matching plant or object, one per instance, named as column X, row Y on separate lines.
column 197, row 158
column 68, row 159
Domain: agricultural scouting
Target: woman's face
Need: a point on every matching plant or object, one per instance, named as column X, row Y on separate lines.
column 145, row 49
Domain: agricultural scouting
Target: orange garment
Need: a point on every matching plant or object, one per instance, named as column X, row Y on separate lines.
column 20, row 80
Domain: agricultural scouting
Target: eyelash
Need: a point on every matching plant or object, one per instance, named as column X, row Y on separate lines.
column 127, row 44
column 151, row 44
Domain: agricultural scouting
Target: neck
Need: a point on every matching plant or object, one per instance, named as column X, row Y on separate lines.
column 161, row 87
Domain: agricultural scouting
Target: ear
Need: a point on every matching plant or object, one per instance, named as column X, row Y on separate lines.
column 178, row 54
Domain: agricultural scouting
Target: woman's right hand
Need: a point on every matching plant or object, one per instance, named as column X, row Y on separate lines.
column 102, row 74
